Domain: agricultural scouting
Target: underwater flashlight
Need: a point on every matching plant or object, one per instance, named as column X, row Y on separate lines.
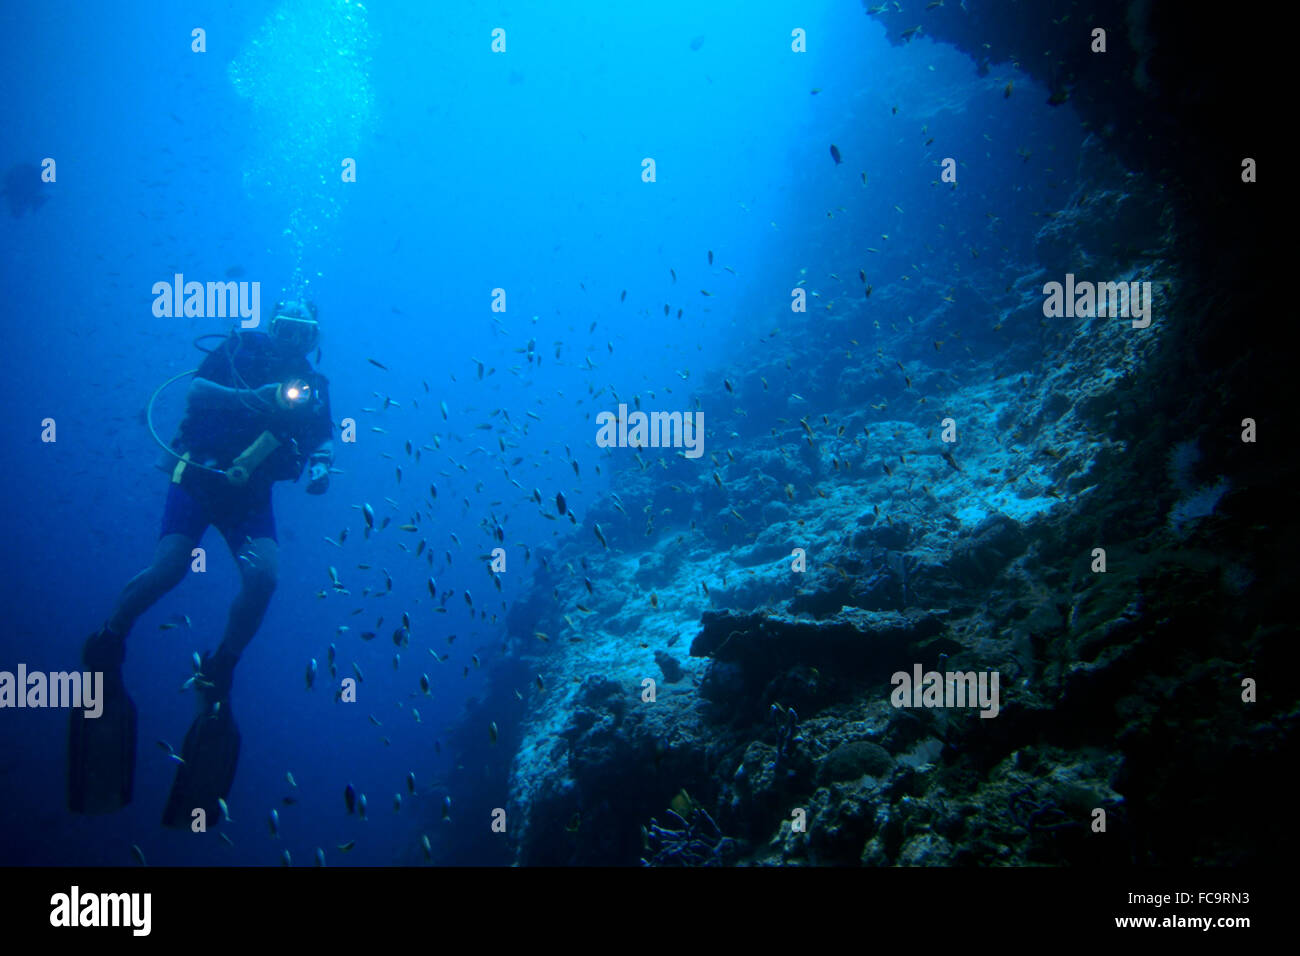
column 293, row 393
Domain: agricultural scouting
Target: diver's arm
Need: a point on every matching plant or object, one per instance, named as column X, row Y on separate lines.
column 206, row 394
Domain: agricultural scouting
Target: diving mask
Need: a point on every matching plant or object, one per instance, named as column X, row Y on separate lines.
column 295, row 333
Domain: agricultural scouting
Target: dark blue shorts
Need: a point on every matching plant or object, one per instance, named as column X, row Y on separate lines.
column 238, row 513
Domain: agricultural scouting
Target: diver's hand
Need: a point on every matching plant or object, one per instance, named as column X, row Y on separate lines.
column 318, row 479
column 268, row 395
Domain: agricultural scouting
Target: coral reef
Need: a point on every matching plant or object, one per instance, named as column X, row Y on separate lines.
column 1122, row 736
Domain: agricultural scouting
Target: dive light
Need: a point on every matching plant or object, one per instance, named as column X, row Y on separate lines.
column 293, row 393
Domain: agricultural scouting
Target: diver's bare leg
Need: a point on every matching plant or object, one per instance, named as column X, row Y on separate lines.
column 259, row 562
column 171, row 560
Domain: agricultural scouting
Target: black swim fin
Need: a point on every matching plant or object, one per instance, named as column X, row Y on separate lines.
column 101, row 750
column 210, row 754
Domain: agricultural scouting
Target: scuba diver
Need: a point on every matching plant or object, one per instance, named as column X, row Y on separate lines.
column 256, row 413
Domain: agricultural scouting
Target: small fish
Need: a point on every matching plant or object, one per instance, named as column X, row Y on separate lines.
column 540, row 685
column 492, row 731
column 410, row 782
column 320, row 857
column 288, row 776
column 377, row 364
column 1006, row 90
column 361, row 806
column 274, row 822
column 560, row 504
column 654, row 599
column 428, row 850
column 285, row 859
column 137, row 854
column 835, row 154
column 225, row 810
column 446, row 812
column 171, row 754
column 311, row 673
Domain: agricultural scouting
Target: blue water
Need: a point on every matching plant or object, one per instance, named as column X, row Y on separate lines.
column 475, row 171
